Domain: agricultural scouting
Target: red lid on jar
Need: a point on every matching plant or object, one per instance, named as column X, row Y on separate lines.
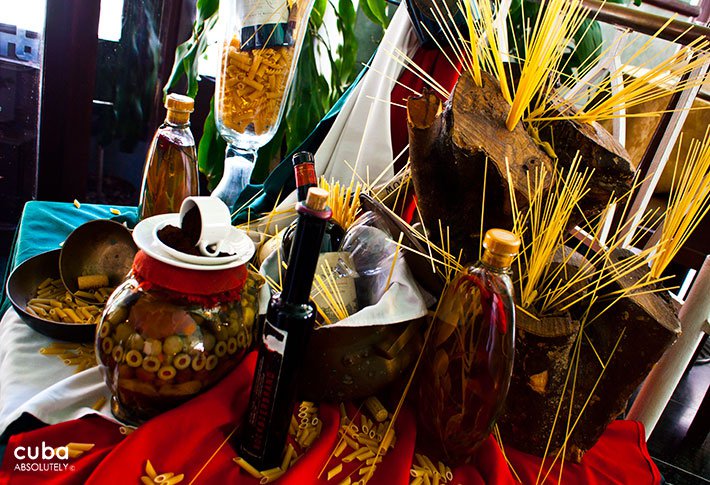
column 215, row 286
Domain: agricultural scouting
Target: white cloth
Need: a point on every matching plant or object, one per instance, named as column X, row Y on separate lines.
column 402, row 301
column 42, row 385
column 360, row 134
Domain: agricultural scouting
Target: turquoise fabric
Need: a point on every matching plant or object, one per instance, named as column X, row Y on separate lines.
column 44, row 225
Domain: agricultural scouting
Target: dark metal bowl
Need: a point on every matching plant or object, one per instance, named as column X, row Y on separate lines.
column 97, row 247
column 345, row 363
column 21, row 286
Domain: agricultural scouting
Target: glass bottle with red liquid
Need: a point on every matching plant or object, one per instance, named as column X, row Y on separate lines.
column 468, row 360
column 170, row 173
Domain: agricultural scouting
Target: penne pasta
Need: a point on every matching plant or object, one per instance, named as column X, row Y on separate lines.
column 80, row 446
column 250, row 80
column 150, row 470
column 247, row 467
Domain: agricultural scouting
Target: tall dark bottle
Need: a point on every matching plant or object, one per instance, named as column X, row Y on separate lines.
column 304, row 168
column 289, row 322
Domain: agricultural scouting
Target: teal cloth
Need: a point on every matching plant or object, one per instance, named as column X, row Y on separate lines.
column 44, row 225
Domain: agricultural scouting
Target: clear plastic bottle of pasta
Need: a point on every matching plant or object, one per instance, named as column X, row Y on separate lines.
column 261, row 44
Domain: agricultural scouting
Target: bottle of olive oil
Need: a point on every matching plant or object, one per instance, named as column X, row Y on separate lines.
column 170, row 172
column 288, row 325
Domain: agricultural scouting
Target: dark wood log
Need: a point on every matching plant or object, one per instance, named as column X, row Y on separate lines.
column 599, row 150
column 543, row 348
column 448, row 149
column 645, row 326
column 601, row 380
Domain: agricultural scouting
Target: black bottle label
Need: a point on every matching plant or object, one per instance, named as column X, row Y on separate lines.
column 266, row 383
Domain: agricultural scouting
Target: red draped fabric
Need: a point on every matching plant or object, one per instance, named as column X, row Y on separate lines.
column 197, row 439
column 446, row 74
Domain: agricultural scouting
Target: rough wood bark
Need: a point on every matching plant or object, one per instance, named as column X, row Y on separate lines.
column 599, row 150
column 644, row 327
column 448, row 150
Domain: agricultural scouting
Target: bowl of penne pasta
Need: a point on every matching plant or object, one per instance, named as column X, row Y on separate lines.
column 39, row 297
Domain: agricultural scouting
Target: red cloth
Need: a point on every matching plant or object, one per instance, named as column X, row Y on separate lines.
column 432, row 62
column 193, row 437
column 208, row 287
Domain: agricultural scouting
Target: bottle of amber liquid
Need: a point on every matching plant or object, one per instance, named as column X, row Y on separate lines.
column 288, row 325
column 468, row 361
column 170, row 172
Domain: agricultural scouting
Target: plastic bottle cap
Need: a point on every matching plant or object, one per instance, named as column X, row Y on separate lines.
column 180, row 103
column 501, row 242
column 317, row 199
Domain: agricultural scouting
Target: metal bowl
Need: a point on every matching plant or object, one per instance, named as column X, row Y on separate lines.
column 21, row 286
column 97, row 247
column 345, row 363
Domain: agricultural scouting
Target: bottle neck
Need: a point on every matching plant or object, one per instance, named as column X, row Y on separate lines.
column 499, row 263
column 303, row 259
column 178, row 119
column 305, row 174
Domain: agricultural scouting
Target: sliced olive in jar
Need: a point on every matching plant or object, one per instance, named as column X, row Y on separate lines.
column 220, row 349
column 134, row 358
column 211, row 362
column 198, row 362
column 107, row 345
column 151, row 364
column 135, row 342
column 122, row 332
column 232, row 345
column 117, row 353
column 152, row 347
column 167, row 372
column 209, row 341
column 172, row 345
column 181, row 361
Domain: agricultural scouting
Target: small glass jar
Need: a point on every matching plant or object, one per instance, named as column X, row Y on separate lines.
column 158, row 348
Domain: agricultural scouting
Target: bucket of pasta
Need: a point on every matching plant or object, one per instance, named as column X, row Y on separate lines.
column 173, row 329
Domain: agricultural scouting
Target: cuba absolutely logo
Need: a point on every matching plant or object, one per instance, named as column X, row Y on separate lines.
column 39, row 458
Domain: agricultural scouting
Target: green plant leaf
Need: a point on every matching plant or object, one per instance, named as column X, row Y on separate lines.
column 347, row 51
column 188, row 53
column 210, row 153
column 318, row 13
column 206, row 9
column 376, row 11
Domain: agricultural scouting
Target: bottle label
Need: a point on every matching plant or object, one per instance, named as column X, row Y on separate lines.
column 266, row 381
column 305, row 174
column 264, row 24
column 340, row 281
column 261, row 12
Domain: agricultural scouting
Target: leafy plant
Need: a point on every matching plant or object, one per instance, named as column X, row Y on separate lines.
column 587, row 39
column 302, row 114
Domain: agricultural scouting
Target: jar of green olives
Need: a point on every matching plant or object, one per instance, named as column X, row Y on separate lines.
column 167, row 334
